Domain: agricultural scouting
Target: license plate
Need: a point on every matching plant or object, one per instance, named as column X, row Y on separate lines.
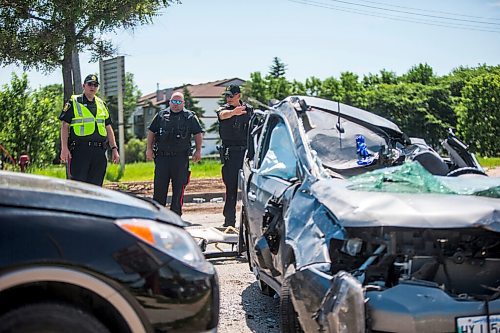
column 478, row 324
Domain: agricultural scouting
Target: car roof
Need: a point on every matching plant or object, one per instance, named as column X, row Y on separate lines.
column 349, row 111
column 40, row 192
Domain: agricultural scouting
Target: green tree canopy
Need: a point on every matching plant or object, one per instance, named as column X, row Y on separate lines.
column 30, row 120
column 277, row 69
column 479, row 114
column 192, row 105
column 419, row 102
column 44, row 34
column 421, row 73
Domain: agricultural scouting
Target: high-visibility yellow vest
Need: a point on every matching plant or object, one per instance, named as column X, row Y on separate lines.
column 84, row 122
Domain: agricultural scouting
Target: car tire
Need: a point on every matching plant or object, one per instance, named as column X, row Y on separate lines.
column 289, row 321
column 243, row 241
column 265, row 289
column 50, row 317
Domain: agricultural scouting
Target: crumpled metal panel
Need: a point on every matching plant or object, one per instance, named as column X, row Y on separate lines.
column 336, row 304
column 343, row 308
column 387, row 209
column 310, row 228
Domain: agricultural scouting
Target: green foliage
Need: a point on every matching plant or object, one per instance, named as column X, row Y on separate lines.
column 256, row 88
column 135, row 150
column 43, row 34
column 277, row 87
column 419, row 102
column 489, row 162
column 29, row 120
column 460, row 76
column 479, row 114
column 353, row 90
column 114, row 172
column 277, row 69
column 422, row 73
column 313, row 86
column 192, row 105
column 385, row 77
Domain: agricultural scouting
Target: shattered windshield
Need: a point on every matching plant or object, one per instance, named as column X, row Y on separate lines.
column 412, row 177
column 336, row 141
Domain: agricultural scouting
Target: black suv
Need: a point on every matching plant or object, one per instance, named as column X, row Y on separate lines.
column 78, row 258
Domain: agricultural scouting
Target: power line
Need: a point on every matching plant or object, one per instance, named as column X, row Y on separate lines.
column 431, row 11
column 416, row 14
column 395, row 18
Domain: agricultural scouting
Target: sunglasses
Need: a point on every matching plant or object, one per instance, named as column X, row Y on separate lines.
column 93, row 84
column 175, row 102
column 229, row 95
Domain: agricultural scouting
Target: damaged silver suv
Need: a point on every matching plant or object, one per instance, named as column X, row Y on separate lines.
column 359, row 228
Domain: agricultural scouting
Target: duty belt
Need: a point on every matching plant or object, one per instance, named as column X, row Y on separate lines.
column 235, row 148
column 95, row 144
column 172, row 153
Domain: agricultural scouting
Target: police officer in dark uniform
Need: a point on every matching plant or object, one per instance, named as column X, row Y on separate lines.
column 86, row 133
column 234, row 117
column 169, row 142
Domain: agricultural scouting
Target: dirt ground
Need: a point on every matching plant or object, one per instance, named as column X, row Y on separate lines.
column 145, row 188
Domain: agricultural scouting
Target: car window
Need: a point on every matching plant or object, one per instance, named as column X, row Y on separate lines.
column 338, row 150
column 278, row 155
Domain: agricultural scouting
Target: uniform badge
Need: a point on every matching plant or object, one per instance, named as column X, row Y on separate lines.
column 66, row 107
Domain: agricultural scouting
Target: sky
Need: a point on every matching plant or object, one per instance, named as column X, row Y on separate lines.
column 200, row 41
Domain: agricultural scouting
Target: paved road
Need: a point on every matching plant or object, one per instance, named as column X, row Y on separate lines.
column 243, row 308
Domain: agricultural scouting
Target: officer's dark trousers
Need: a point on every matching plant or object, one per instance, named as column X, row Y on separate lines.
column 175, row 168
column 230, row 171
column 88, row 164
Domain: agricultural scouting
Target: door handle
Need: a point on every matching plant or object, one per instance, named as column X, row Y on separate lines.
column 251, row 196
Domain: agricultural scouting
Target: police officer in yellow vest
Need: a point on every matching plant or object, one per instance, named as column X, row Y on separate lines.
column 86, row 133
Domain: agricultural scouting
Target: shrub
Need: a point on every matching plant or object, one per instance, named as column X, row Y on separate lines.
column 135, row 150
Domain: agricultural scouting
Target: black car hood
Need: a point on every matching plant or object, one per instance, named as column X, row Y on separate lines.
column 358, row 208
column 30, row 191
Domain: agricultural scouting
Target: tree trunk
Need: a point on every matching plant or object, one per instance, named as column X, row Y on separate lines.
column 77, row 76
column 67, row 77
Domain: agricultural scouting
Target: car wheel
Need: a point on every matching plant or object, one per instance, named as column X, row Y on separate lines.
column 243, row 241
column 50, row 317
column 289, row 320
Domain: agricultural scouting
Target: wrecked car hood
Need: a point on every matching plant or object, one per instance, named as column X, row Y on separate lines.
column 455, row 203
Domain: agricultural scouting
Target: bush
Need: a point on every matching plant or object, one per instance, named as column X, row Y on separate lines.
column 114, row 172
column 135, row 151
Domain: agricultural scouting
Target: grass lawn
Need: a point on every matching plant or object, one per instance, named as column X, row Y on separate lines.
column 489, row 162
column 143, row 171
column 207, row 168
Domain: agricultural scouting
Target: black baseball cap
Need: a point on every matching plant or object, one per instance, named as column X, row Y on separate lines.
column 232, row 90
column 91, row 78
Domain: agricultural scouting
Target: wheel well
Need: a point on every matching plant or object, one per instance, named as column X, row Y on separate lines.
column 77, row 296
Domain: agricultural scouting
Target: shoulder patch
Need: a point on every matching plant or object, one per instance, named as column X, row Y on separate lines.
column 66, row 107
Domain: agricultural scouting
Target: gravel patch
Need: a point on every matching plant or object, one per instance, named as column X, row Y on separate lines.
column 243, row 308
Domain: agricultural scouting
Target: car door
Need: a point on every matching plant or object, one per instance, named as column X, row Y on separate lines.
column 275, row 170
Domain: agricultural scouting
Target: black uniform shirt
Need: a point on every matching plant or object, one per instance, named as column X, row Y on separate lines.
column 234, row 131
column 68, row 114
column 179, row 121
